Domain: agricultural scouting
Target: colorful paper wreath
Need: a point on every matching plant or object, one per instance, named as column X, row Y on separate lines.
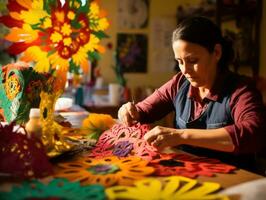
column 189, row 166
column 55, row 189
column 124, row 141
column 22, row 155
column 56, row 35
column 107, row 171
column 174, row 187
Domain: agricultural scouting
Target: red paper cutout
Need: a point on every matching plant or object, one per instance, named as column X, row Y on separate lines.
column 189, row 166
column 22, row 156
column 121, row 133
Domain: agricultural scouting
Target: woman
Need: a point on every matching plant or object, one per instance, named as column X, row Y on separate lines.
column 217, row 113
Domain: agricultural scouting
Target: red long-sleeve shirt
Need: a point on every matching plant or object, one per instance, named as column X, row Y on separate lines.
column 248, row 132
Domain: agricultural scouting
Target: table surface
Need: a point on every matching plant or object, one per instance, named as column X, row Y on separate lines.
column 225, row 180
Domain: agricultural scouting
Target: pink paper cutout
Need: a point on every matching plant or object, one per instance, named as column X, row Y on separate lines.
column 121, row 133
column 189, row 166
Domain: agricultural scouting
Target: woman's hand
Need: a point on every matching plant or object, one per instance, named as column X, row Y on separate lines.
column 161, row 137
column 128, row 114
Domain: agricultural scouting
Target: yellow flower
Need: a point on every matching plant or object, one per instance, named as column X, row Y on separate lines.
column 34, row 53
column 47, row 23
column 95, row 124
column 103, row 24
column 60, row 16
column 67, row 41
column 66, row 29
column 71, row 15
column 56, row 37
column 94, row 9
column 90, row 46
column 174, row 187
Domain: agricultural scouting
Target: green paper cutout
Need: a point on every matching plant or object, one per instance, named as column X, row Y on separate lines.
column 57, row 188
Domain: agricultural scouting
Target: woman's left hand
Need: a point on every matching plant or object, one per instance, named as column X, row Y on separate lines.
column 161, row 137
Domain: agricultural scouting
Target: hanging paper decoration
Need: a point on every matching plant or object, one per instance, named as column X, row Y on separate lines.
column 20, row 88
column 54, row 35
column 189, row 166
column 95, row 124
column 123, row 141
column 174, row 187
column 107, row 171
column 22, row 155
column 55, row 189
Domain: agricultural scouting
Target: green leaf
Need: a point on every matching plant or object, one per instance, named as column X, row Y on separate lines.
column 100, row 34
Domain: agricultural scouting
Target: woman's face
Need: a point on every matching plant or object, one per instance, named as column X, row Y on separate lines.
column 197, row 64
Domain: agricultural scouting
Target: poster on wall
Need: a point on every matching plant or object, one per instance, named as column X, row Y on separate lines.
column 162, row 56
column 132, row 52
column 132, row 14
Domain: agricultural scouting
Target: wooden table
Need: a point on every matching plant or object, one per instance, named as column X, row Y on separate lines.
column 226, row 180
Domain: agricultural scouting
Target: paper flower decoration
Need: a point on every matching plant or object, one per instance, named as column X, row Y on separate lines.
column 55, row 35
column 122, row 141
column 20, row 88
column 95, row 124
column 55, row 189
column 189, row 166
column 21, row 155
column 174, row 187
column 107, row 171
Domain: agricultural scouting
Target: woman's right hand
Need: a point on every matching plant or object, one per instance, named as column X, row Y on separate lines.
column 128, row 114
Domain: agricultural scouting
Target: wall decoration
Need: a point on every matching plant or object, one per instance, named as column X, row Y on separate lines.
column 123, row 141
column 132, row 14
column 132, row 52
column 189, row 166
column 55, row 189
column 174, row 187
column 106, row 171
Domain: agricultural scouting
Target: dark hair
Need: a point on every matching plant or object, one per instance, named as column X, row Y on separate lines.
column 202, row 31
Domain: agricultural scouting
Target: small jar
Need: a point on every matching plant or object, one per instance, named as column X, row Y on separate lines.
column 33, row 126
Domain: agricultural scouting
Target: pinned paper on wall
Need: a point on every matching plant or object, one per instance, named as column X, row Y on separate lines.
column 174, row 187
column 189, row 166
column 123, row 141
column 55, row 189
column 106, row 171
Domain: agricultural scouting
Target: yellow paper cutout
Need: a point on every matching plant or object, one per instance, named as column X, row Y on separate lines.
column 173, row 187
column 107, row 171
column 52, row 132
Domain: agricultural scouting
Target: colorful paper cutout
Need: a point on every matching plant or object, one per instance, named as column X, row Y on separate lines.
column 20, row 88
column 95, row 124
column 54, row 35
column 110, row 140
column 174, row 187
column 22, row 155
column 107, row 171
column 55, row 189
column 189, row 166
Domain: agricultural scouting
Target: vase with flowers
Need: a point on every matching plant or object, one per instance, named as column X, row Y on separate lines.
column 56, row 37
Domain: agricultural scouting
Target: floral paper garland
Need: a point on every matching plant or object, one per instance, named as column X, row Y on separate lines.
column 107, row 171
column 124, row 141
column 55, row 189
column 174, row 187
column 189, row 166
